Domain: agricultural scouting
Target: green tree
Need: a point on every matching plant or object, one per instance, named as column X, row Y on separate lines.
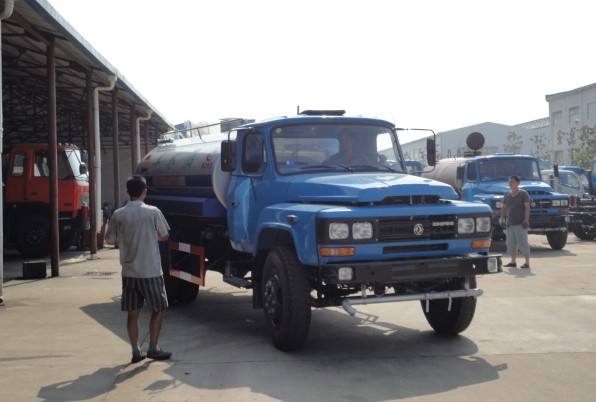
column 540, row 143
column 514, row 143
column 586, row 150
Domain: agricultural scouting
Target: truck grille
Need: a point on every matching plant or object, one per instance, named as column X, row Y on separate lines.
column 540, row 204
column 435, row 227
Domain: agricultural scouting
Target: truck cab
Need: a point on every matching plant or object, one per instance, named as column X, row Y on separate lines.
column 484, row 179
column 27, row 196
column 567, row 181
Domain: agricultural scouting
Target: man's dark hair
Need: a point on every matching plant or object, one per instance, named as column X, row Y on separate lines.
column 515, row 177
column 135, row 186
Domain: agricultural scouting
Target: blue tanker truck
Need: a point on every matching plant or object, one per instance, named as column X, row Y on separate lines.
column 273, row 208
column 484, row 179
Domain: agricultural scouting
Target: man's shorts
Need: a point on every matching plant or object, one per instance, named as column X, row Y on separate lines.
column 517, row 240
column 136, row 290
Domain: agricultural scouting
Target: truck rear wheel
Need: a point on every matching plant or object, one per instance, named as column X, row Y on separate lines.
column 177, row 290
column 286, row 299
column 33, row 237
column 557, row 240
column 452, row 321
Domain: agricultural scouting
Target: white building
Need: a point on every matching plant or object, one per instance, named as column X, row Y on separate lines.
column 547, row 138
column 569, row 112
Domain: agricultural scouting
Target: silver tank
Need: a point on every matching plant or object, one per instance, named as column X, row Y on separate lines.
column 187, row 167
column 446, row 171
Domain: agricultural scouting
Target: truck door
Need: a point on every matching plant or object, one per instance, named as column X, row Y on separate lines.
column 66, row 184
column 16, row 180
column 246, row 192
column 38, row 188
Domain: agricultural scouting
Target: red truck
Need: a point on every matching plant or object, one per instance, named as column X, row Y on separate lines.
column 27, row 197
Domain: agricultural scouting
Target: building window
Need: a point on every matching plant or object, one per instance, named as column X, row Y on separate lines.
column 557, row 117
column 574, row 115
column 592, row 111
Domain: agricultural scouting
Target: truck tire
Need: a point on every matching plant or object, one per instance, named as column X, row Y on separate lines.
column 33, row 236
column 286, row 299
column 187, row 291
column 66, row 240
column 456, row 320
column 177, row 290
column 585, row 228
column 557, row 240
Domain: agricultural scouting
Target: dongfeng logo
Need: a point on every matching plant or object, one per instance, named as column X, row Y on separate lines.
column 418, row 229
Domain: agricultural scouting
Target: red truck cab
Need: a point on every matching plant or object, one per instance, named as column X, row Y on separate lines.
column 27, row 197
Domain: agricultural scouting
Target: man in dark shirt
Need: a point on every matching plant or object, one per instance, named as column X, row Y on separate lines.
column 515, row 215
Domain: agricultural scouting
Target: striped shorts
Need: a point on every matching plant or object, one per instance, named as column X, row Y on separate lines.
column 136, row 290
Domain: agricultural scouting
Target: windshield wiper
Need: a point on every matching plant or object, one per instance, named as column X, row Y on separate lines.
column 324, row 167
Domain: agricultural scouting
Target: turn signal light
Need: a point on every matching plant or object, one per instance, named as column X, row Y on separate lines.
column 337, row 251
column 486, row 243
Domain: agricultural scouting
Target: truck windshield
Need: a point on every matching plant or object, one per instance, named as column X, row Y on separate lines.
column 501, row 168
column 75, row 162
column 307, row 147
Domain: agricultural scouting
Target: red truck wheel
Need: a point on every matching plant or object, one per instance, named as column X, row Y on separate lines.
column 33, row 236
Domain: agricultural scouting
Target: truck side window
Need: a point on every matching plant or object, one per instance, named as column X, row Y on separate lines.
column 254, row 155
column 41, row 168
column 18, row 165
column 472, row 171
column 62, row 170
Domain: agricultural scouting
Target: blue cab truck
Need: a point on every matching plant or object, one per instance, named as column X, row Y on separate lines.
column 484, row 179
column 264, row 207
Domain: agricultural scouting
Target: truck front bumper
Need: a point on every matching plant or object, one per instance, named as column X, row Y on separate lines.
column 388, row 272
column 548, row 223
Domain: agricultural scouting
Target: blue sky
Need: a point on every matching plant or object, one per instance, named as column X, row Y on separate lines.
column 431, row 64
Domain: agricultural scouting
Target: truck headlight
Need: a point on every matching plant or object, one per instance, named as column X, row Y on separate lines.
column 338, row 231
column 483, row 224
column 560, row 203
column 362, row 230
column 465, row 225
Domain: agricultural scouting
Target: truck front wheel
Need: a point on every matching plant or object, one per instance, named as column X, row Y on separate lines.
column 286, row 299
column 556, row 240
column 33, row 237
column 585, row 227
column 451, row 321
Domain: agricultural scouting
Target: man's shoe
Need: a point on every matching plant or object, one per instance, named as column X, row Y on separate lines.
column 159, row 355
column 511, row 265
column 138, row 358
column 525, row 266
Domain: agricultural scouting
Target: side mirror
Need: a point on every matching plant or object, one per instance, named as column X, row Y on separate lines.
column 228, row 156
column 84, row 156
column 431, row 152
column 556, row 170
column 83, row 169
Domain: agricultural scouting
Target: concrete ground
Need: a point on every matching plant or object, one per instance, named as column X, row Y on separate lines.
column 533, row 338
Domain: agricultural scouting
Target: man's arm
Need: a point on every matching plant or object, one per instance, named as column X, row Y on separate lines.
column 163, row 238
column 503, row 212
column 111, row 236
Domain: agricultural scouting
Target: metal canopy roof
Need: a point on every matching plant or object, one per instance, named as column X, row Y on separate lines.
column 26, row 36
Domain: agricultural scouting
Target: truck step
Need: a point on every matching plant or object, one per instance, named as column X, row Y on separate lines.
column 238, row 282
